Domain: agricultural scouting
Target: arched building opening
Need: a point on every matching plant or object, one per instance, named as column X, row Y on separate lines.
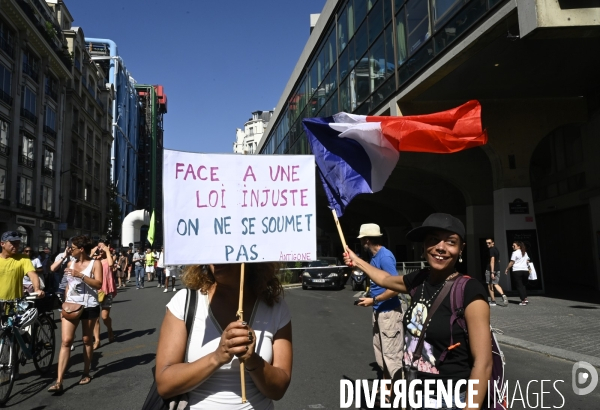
column 558, row 182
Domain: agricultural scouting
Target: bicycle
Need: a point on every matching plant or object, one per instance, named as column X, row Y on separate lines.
column 28, row 329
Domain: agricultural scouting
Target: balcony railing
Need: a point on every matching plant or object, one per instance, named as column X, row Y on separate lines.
column 4, row 150
column 4, row 96
column 77, row 64
column 26, row 207
column 7, row 47
column 48, row 130
column 49, row 172
column 26, row 161
column 31, row 71
column 25, row 113
column 47, row 213
column 51, row 93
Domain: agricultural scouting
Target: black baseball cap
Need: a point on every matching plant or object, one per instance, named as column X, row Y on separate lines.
column 434, row 222
column 10, row 236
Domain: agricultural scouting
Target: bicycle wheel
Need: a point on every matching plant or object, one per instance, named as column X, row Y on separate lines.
column 43, row 344
column 8, row 366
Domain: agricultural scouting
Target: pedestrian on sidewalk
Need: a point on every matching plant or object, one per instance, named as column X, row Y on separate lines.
column 448, row 354
column 149, row 259
column 519, row 263
column 122, row 268
column 263, row 342
column 58, row 267
column 84, row 279
column 160, row 268
column 171, row 272
column 108, row 287
column 130, row 266
column 388, row 335
column 492, row 274
column 138, row 264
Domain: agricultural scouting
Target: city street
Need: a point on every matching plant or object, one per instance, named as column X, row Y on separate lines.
column 332, row 341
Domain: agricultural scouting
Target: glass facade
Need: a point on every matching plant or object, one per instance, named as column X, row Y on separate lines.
column 369, row 50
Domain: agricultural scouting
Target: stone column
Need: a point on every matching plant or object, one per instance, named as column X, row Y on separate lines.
column 480, row 224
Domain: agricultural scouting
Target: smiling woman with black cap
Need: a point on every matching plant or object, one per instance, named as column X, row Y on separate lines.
column 446, row 351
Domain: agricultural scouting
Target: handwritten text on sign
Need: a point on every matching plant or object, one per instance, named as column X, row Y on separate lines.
column 238, row 208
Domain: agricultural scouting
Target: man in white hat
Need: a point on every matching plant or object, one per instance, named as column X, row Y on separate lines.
column 388, row 337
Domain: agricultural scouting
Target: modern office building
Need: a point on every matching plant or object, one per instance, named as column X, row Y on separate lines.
column 136, row 152
column 533, row 66
column 246, row 140
column 152, row 107
column 86, row 193
column 125, row 111
column 35, row 73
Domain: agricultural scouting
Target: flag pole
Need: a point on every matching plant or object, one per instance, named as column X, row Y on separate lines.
column 240, row 315
column 339, row 228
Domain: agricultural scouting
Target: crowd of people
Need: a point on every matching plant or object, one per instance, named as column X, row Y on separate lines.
column 203, row 361
column 84, row 278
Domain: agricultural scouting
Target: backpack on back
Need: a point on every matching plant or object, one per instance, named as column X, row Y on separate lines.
column 499, row 397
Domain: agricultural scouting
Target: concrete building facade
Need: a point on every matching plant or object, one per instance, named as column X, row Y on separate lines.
column 86, row 192
column 529, row 63
column 246, row 140
column 35, row 71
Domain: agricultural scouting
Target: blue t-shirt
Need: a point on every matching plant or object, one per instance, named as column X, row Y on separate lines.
column 384, row 260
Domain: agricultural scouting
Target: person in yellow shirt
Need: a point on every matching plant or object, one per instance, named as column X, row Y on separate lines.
column 150, row 264
column 14, row 267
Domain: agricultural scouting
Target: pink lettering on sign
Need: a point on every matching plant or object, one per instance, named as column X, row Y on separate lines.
column 281, row 173
column 197, row 173
column 294, row 256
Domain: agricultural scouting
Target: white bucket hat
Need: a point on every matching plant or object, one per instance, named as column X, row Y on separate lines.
column 369, row 230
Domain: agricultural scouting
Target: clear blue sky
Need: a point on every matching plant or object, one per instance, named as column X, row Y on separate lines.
column 218, row 61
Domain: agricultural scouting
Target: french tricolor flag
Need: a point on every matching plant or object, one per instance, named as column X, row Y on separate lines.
column 356, row 154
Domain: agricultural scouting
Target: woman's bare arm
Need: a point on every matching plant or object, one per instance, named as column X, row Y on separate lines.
column 173, row 376
column 477, row 315
column 273, row 380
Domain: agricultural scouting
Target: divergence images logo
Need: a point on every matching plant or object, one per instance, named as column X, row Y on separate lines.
column 584, row 378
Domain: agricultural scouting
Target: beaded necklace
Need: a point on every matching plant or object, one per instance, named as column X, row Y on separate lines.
column 427, row 302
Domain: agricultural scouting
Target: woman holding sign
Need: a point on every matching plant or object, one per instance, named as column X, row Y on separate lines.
column 218, row 342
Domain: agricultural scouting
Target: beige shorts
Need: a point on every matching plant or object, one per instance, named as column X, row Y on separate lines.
column 388, row 340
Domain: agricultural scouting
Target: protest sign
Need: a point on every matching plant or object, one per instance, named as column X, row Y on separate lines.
column 227, row 208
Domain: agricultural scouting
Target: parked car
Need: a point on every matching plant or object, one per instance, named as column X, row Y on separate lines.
column 325, row 272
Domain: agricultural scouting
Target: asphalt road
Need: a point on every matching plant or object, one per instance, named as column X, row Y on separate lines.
column 332, row 341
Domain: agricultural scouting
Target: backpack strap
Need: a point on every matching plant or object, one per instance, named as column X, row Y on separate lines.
column 419, row 279
column 191, row 302
column 457, row 307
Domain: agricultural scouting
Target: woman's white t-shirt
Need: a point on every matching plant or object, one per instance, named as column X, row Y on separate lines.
column 222, row 390
column 79, row 291
column 520, row 260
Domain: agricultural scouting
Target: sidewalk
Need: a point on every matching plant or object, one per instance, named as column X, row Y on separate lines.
column 563, row 328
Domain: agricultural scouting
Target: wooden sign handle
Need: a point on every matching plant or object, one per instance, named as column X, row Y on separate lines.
column 240, row 315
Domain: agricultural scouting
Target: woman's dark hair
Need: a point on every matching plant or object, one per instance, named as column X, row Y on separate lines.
column 84, row 242
column 522, row 246
column 260, row 278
